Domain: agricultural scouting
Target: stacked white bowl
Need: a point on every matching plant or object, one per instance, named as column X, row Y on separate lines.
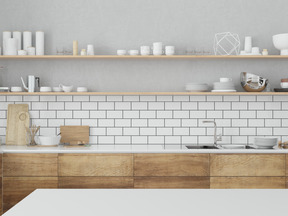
column 197, row 87
column 225, row 85
column 265, row 142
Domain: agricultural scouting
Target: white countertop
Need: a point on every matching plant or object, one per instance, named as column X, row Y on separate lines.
column 151, row 202
column 132, row 149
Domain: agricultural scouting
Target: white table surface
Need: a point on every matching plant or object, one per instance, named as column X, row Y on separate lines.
column 157, row 202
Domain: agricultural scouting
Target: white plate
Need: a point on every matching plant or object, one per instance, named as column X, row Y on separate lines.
column 230, row 90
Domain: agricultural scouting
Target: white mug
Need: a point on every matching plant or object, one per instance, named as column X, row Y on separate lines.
column 145, row 50
column 90, row 49
column 170, row 50
column 82, row 89
column 121, row 52
column 157, row 48
column 133, row 52
column 66, row 88
column 225, row 79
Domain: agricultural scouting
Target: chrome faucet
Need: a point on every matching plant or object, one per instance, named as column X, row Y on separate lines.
column 216, row 137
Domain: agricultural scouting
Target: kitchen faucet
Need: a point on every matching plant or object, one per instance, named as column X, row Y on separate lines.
column 216, row 137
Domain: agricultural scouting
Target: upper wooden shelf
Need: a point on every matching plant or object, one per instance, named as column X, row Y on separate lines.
column 144, row 57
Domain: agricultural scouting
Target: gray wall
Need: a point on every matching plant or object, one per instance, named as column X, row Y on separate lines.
column 127, row 24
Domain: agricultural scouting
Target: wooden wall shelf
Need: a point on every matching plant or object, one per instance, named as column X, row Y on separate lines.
column 143, row 57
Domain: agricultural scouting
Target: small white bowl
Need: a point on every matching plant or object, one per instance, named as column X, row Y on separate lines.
column 265, row 141
column 45, row 89
column 16, row 89
column 48, row 140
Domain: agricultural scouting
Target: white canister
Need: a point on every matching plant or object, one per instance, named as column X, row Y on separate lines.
column 31, row 51
column 170, row 50
column 27, row 40
column 248, row 44
column 6, row 35
column 145, row 50
column 90, row 49
column 22, row 52
column 157, row 48
column 11, row 46
column 39, row 43
column 18, row 36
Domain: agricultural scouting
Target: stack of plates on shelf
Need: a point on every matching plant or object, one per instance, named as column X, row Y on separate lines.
column 197, row 87
column 265, row 142
column 226, row 86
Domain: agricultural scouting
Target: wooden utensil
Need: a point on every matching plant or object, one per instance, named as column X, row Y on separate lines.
column 17, row 122
column 74, row 134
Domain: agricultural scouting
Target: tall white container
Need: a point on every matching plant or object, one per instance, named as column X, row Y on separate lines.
column 18, row 35
column 11, row 46
column 6, row 35
column 248, row 45
column 27, row 40
column 39, row 43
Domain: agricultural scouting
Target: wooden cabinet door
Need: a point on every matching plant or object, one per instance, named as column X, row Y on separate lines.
column 1, row 184
column 171, row 165
column 30, row 165
column 247, row 165
column 17, row 188
column 95, row 165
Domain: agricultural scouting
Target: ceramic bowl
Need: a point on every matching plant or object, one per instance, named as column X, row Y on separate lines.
column 265, row 141
column 280, row 42
column 48, row 140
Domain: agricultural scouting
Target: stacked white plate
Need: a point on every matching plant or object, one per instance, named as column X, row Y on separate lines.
column 197, row 87
column 223, row 87
column 265, row 142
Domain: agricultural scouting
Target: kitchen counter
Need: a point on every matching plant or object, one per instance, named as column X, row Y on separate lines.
column 133, row 149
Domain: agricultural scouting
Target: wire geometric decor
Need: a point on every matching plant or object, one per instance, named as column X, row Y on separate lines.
column 226, row 43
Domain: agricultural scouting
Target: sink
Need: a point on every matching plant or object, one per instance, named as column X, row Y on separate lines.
column 224, row 146
column 202, row 147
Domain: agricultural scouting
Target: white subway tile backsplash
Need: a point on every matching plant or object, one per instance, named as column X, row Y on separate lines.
column 73, row 122
column 180, row 131
column 89, row 105
column 46, row 98
column 131, row 98
column 172, row 140
column 114, row 98
column 222, row 105
column 72, row 105
column 122, row 106
column 231, row 114
column 123, row 140
column 123, row 122
column 265, row 98
column 3, row 98
column 164, row 98
column 164, row 114
column 275, row 122
column 272, row 105
column 64, row 114
column 148, row 131
column 247, row 98
column 197, row 114
column 239, row 122
column 47, row 131
column 206, row 105
column 239, row 139
column 47, row 114
column 280, row 131
column 256, row 105
column 139, row 122
column 131, row 114
column 231, row 132
column 56, row 105
column 106, row 105
column 255, row 122
column 189, row 122
column 181, row 114
column 159, row 140
column 114, row 131
column 197, row 131
column 39, row 106
column 81, row 98
column 131, row 131
column 189, row 140
column 239, row 106
column 172, row 123
column 264, row 114
column 4, row 105
column 106, row 140
column 31, row 98
column 139, row 105
column 106, row 123
column 3, row 122
column 172, row 105
column 14, row 98
column 90, row 122
column 247, row 114
column 181, row 98
column 264, row 131
column 214, row 114
column 214, row 98
column 97, row 98
column 248, row 131
column 3, row 114
column 206, row 140
column 224, row 122
column 97, row 131
column 98, row 114
column 147, row 98
column 164, row 131
column 114, row 114
column 197, row 98
column 55, row 122
column 280, row 114
column 40, row 122
column 140, row 140
column 64, row 98
column 189, row 105
column 156, row 105
column 156, row 122
column 81, row 114
column 231, row 98
column 280, row 98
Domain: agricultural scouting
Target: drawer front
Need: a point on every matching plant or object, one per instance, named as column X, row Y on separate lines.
column 247, row 165
column 171, row 182
column 247, row 182
column 287, row 165
column 96, row 182
column 30, row 165
column 171, row 164
column 17, row 188
column 95, row 165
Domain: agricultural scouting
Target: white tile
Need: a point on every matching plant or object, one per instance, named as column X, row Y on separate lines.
column 106, row 140
column 172, row 140
column 131, row 131
column 89, row 106
column 97, row 114
column 284, row 122
column 280, row 131
column 97, row 98
column 14, row 98
column 40, row 122
column 114, row 98
column 256, row 123
column 131, row 98
column 147, row 131
column 80, row 98
column 156, row 105
column 64, row 114
column 189, row 105
column 284, row 106
column 197, row 98
column 114, row 114
column 4, row 105
column 181, row 114
column 172, row 105
column 280, row 98
column 47, row 114
column 274, row 122
column 248, row 114
column 105, row 105
column 139, row 105
column 122, row 105
column 222, row 105
column 280, row 114
column 93, row 140
column 231, row 98
column 231, row 132
column 239, row 106
column 55, row 122
column 3, row 114
column 264, row 98
column 160, row 140
column 211, row 131
column 181, row 98
column 98, row 131
column 56, row 105
column 197, row 114
column 3, row 98
column 164, row 98
column 214, row 114
column 3, row 123
column 122, row 122
column 206, row 140
column 264, row 114
column 147, row 98
column 180, row 131
column 214, row 98
column 33, row 114
column 189, row 140
column 47, row 98
column 72, row 106
column 223, row 122
column 247, row 131
column 164, row 114
column 139, row 122
column 247, row 98
column 64, row 98
column 147, row 114
column 106, row 122
column 131, row 114
column 225, row 140
column 156, row 122
column 80, row 114
column 231, row 114
column 256, row 105
column 28, row 103
column 90, row 122
column 114, row 131
column 264, row 132
column 172, row 123
column 2, row 131
column 272, row 105
column 189, row 122
column 239, row 140
column 47, row 131
column 206, row 105
column 201, row 123
column 239, row 122
column 124, row 140
column 31, row 98
column 139, row 140
column 164, row 131
column 76, row 122
column 39, row 105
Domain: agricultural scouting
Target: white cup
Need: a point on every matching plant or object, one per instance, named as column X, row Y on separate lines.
column 145, row 50
column 31, row 51
column 22, row 52
column 170, row 50
column 225, row 79
column 255, row 50
column 284, row 84
column 82, row 89
column 121, row 52
column 66, row 88
column 90, row 49
column 133, row 52
column 16, row 89
column 158, row 48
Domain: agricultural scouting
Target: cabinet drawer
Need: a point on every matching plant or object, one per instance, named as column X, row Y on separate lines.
column 171, row 182
column 95, row 165
column 171, row 164
column 247, row 182
column 17, row 188
column 96, row 182
column 286, row 164
column 30, row 165
column 247, row 165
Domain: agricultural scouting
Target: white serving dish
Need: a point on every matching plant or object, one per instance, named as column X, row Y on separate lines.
column 197, row 87
column 267, row 142
column 48, row 140
column 280, row 42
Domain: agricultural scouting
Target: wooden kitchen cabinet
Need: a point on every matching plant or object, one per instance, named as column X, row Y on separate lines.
column 150, row 165
column 1, row 187
column 96, row 165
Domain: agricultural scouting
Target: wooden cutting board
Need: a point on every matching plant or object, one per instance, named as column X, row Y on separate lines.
column 17, row 121
column 74, row 133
